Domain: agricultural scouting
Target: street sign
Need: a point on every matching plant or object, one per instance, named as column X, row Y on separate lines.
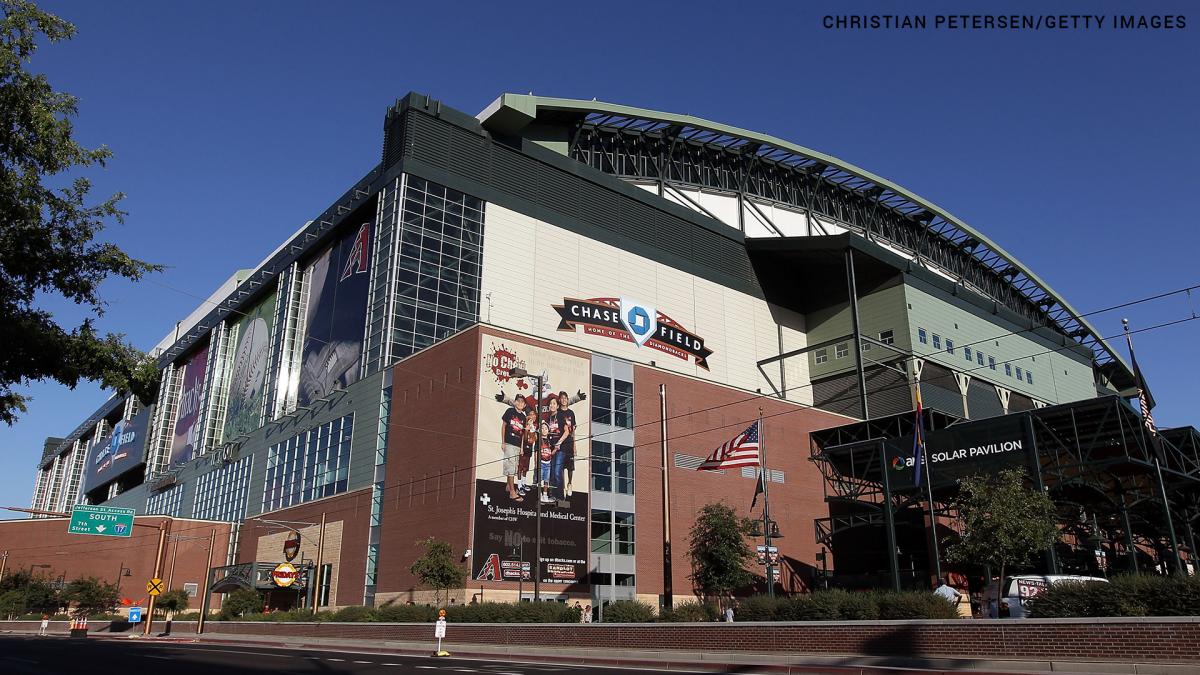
column 105, row 521
column 439, row 629
column 155, row 587
column 135, row 615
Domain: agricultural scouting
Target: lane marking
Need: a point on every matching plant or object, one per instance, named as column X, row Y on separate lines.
column 364, row 662
column 164, row 658
column 238, row 651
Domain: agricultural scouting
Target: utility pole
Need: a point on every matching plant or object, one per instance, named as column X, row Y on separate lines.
column 212, row 543
column 320, row 555
column 668, row 594
column 3, row 564
column 158, row 562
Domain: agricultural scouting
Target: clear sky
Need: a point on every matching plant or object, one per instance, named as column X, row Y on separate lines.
column 233, row 123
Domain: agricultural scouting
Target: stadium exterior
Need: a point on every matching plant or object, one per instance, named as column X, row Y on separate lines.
column 674, row 278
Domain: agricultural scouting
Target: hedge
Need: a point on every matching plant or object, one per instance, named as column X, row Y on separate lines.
column 835, row 605
column 1122, row 596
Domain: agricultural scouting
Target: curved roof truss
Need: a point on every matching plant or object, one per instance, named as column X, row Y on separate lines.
column 681, row 150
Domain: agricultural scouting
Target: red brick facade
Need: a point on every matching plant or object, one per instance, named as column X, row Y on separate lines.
column 700, row 417
column 36, row 542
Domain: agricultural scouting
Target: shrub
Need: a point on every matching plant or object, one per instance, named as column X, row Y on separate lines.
column 505, row 612
column 758, row 608
column 918, row 605
column 354, row 613
column 393, row 613
column 690, row 611
column 835, row 605
column 628, row 611
column 1122, row 596
column 240, row 602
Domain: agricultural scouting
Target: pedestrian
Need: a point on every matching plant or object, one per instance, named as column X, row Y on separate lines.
column 45, row 624
column 579, row 608
column 587, row 613
column 947, row 591
column 729, row 614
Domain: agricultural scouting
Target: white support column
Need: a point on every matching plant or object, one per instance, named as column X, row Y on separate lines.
column 964, row 385
column 1004, row 395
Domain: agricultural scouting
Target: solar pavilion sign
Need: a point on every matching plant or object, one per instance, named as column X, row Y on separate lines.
column 632, row 321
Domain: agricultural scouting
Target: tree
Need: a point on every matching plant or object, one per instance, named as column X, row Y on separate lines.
column 26, row 593
column 90, row 596
column 47, row 235
column 437, row 568
column 1003, row 523
column 241, row 601
column 718, row 551
column 172, row 602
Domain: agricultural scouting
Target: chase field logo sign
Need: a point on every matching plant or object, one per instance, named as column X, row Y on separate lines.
column 632, row 321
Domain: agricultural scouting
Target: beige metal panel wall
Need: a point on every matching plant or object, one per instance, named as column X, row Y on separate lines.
column 530, row 265
column 1058, row 376
column 880, row 311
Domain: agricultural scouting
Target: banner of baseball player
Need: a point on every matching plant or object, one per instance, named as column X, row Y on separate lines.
column 532, row 445
column 187, row 417
column 247, row 383
column 337, row 309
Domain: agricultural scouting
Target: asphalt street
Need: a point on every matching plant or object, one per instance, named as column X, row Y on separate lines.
column 31, row 655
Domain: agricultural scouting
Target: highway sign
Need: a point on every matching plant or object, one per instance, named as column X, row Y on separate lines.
column 155, row 586
column 135, row 615
column 101, row 520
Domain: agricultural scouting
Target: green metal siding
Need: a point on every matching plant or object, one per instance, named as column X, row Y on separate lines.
column 879, row 311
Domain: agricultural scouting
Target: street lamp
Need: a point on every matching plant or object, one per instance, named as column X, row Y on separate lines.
column 537, row 545
column 123, row 572
column 29, row 584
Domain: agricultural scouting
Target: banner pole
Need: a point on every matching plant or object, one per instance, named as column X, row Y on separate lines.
column 668, row 591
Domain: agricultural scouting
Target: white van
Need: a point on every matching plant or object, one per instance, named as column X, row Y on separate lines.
column 1020, row 589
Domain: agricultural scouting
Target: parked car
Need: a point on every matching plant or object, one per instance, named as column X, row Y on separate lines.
column 1019, row 590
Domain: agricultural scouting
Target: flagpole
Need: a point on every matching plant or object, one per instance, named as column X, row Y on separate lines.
column 937, row 554
column 668, row 593
column 763, row 476
column 1155, row 447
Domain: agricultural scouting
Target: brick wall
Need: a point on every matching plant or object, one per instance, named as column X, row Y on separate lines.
column 1174, row 640
column 700, row 417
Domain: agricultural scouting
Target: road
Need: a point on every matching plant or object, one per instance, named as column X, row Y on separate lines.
column 31, row 655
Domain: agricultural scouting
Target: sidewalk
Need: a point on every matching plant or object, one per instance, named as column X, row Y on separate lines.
column 678, row 660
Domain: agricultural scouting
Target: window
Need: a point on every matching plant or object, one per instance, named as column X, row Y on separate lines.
column 949, row 346
column 992, row 362
column 1008, row 369
column 937, row 341
column 822, row 355
column 1019, row 373
column 612, row 467
column 624, row 580
column 221, row 493
column 1029, row 376
column 887, row 337
column 310, row 465
column 922, row 337
column 624, row 532
column 979, row 358
column 612, row 533
column 612, row 401
column 440, row 250
column 866, row 346
column 165, row 503
column 841, row 350
column 601, row 531
column 966, row 351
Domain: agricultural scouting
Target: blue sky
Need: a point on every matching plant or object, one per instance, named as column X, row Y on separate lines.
column 1077, row 151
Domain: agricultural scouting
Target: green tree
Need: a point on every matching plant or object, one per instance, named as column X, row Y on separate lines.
column 240, row 602
column 172, row 602
column 437, row 568
column 1002, row 522
column 90, row 596
column 718, row 551
column 48, row 235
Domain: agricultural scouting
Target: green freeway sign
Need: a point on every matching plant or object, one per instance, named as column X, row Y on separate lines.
column 101, row 520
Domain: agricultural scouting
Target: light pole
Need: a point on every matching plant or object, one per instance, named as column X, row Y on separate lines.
column 537, row 544
column 28, row 585
column 123, row 572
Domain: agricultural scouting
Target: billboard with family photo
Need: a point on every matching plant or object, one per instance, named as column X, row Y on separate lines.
column 532, row 446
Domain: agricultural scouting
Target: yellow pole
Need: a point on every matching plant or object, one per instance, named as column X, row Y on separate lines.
column 158, row 561
column 212, row 543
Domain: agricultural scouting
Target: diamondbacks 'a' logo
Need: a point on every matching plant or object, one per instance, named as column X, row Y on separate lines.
column 356, row 262
column 490, row 570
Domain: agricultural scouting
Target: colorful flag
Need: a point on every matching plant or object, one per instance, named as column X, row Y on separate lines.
column 741, row 451
column 918, row 440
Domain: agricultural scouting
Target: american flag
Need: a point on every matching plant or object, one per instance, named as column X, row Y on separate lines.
column 741, row 451
column 1145, row 402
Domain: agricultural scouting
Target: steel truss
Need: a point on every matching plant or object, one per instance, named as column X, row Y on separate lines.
column 675, row 155
column 1095, row 458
